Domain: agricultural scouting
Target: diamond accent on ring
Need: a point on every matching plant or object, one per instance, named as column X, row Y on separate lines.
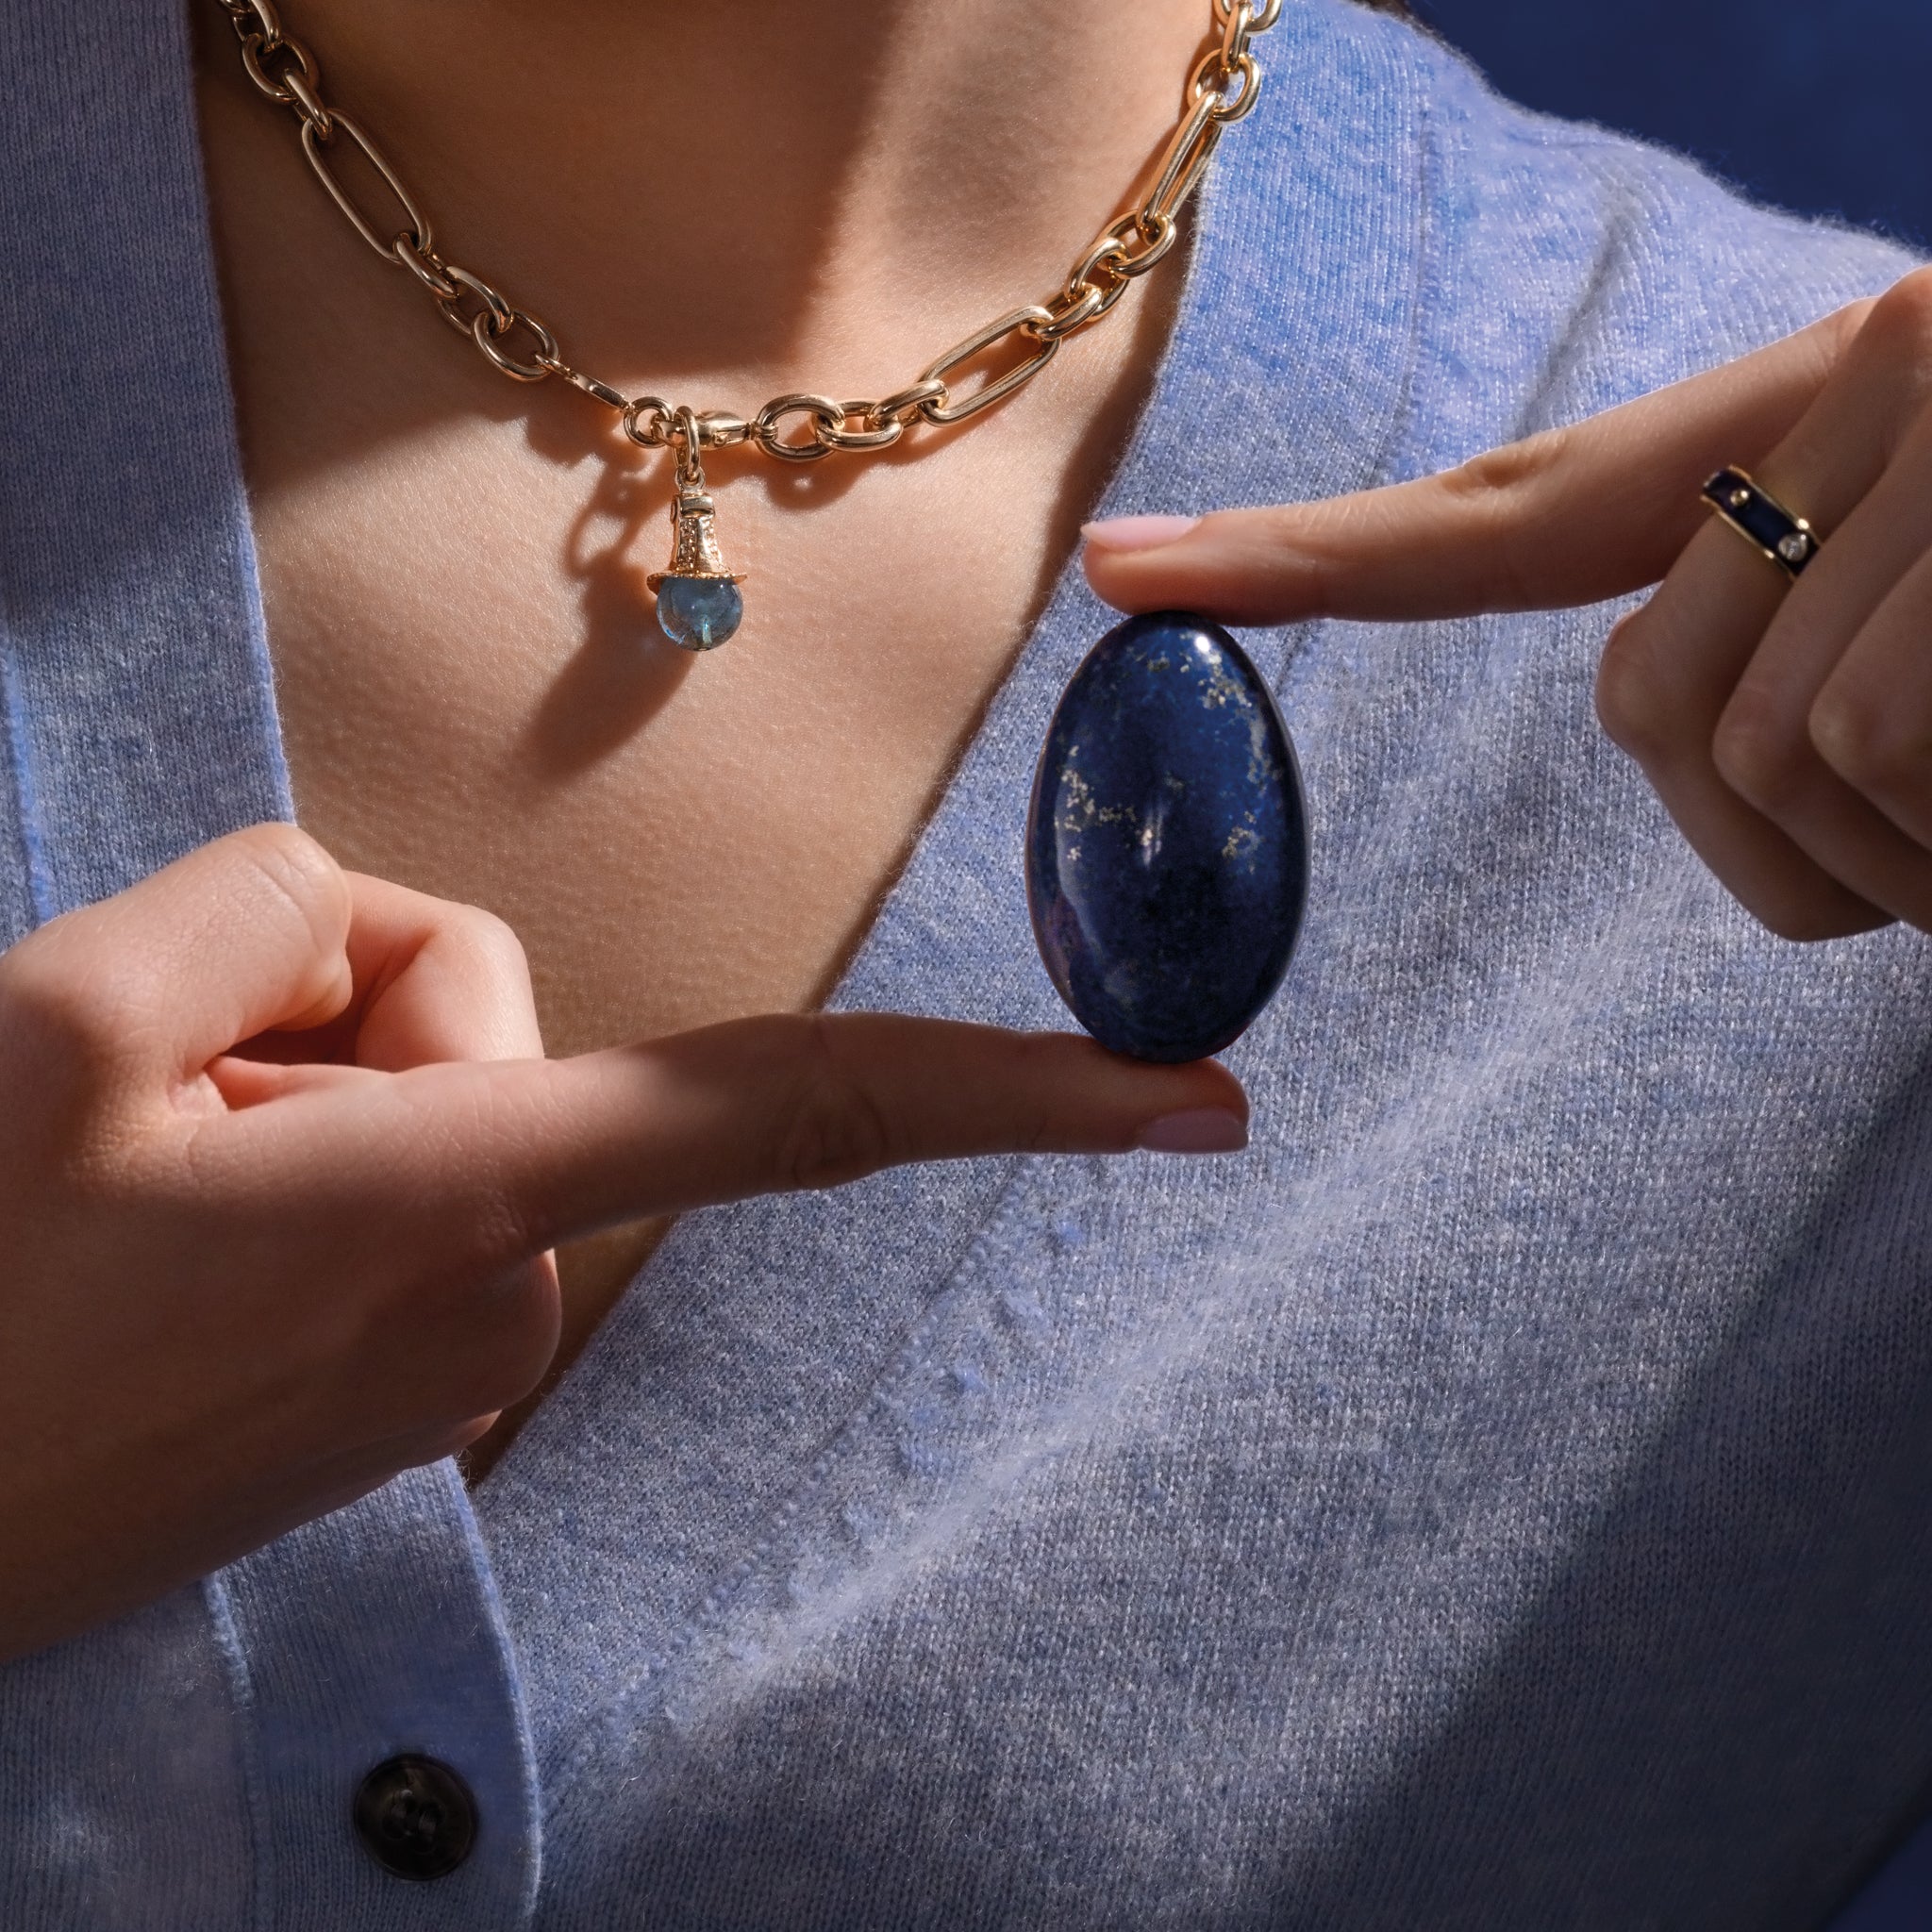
column 1795, row 548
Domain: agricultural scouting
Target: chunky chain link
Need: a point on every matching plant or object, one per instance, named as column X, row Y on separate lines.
column 1222, row 88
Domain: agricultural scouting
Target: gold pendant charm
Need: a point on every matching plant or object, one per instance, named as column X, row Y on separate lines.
column 699, row 605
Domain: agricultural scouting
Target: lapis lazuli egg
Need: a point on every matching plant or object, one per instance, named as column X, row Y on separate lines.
column 700, row 613
column 1166, row 847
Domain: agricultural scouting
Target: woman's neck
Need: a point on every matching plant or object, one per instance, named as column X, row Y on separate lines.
column 783, row 191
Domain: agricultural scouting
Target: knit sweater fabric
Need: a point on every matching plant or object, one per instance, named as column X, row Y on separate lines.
column 1497, row 1500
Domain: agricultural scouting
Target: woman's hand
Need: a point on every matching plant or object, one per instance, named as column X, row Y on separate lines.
column 1787, row 727
column 281, row 1163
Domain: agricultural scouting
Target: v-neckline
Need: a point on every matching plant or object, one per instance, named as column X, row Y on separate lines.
column 139, row 700
column 138, row 735
column 1305, row 259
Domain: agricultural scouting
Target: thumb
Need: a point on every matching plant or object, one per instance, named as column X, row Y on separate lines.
column 1571, row 516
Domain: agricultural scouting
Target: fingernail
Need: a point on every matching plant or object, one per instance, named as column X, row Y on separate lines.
column 1200, row 1131
column 1136, row 533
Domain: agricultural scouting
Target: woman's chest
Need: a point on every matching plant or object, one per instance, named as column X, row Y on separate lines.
column 474, row 696
column 476, row 700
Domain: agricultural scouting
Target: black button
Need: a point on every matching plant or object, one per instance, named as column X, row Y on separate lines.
column 417, row 1817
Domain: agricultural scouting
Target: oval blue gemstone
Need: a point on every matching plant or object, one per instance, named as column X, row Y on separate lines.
column 1166, row 847
column 700, row 613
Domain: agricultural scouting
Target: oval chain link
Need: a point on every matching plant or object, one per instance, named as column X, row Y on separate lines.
column 827, row 418
column 318, row 136
column 1223, row 88
column 1028, row 322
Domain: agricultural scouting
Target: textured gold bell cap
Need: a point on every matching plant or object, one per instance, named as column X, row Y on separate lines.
column 694, row 551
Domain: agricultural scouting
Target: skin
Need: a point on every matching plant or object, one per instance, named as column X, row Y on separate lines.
column 282, row 1219
column 476, row 700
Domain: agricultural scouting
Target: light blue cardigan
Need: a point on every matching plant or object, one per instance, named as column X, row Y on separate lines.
column 1498, row 1500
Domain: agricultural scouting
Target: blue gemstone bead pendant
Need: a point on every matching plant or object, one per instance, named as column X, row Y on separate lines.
column 699, row 605
column 1166, row 847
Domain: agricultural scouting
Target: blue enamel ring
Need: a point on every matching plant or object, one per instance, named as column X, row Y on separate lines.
column 1762, row 521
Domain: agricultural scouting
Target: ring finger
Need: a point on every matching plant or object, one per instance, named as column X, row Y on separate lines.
column 1712, row 685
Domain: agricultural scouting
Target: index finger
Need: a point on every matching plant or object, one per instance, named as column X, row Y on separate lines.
column 545, row 1151
column 1569, row 516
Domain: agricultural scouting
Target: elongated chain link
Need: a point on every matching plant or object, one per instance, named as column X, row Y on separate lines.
column 1222, row 88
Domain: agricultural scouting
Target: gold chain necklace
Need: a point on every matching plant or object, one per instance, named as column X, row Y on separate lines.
column 698, row 600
